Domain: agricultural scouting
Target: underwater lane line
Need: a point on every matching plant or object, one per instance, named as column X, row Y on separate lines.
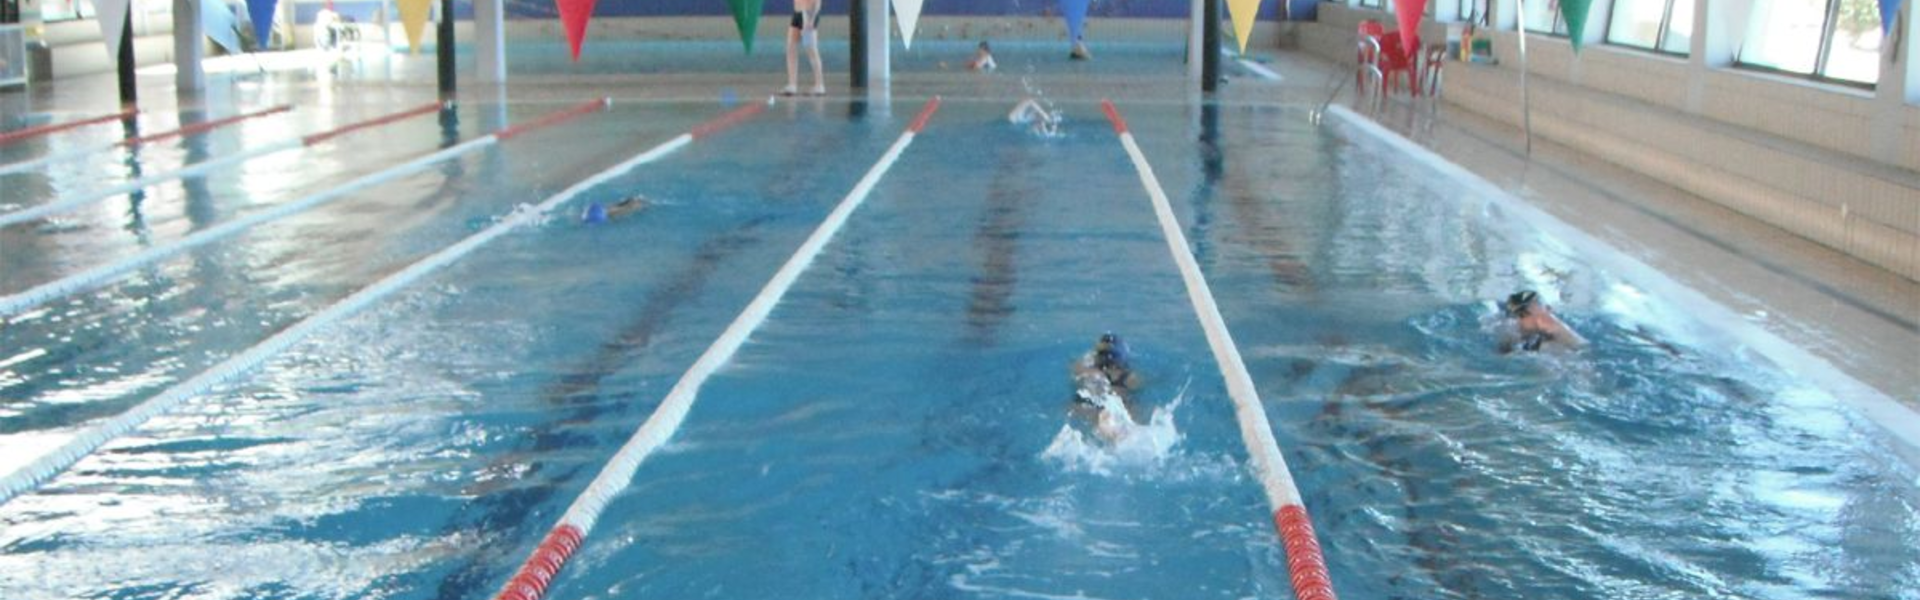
column 30, row 132
column 193, row 170
column 1306, row 565
column 190, row 129
column 100, row 432
column 96, row 277
column 531, row 580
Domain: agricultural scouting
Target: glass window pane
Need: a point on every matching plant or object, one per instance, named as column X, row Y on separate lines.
column 1371, row 3
column 1636, row 22
column 1784, row 34
column 1680, row 29
column 1854, row 54
column 1540, row 15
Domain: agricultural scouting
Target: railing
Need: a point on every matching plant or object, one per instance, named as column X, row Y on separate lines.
column 13, row 55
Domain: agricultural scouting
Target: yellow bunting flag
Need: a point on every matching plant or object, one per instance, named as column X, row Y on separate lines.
column 1243, row 13
column 413, row 18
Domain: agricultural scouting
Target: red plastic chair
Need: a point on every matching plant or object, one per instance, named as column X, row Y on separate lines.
column 1396, row 59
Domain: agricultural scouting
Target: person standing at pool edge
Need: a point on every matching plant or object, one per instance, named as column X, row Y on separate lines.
column 804, row 31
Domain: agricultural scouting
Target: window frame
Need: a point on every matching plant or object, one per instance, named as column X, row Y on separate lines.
column 1558, row 28
column 1660, row 36
column 1828, row 28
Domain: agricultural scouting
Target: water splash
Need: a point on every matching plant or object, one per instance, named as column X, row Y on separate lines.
column 1118, row 444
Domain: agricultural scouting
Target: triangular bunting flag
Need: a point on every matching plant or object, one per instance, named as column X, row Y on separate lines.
column 413, row 19
column 574, row 15
column 1243, row 13
column 1889, row 11
column 908, row 11
column 217, row 19
column 1407, row 13
column 746, row 17
column 261, row 13
column 1076, row 13
column 113, row 23
column 1574, row 12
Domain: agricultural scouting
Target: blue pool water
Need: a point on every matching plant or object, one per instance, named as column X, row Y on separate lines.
column 892, row 430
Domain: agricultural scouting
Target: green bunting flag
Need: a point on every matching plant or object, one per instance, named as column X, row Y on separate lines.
column 1575, row 13
column 746, row 15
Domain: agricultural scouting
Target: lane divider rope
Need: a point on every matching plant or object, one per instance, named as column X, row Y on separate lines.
column 100, row 432
column 143, row 140
column 14, row 304
column 1306, row 565
column 193, row 170
column 534, row 576
column 30, row 132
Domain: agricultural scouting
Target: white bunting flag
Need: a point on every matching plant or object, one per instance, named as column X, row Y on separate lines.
column 113, row 24
column 908, row 11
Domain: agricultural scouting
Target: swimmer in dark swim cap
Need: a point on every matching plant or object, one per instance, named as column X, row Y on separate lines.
column 1534, row 326
column 1104, row 370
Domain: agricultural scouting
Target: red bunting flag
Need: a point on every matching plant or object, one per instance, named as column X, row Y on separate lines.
column 1409, row 13
column 574, row 15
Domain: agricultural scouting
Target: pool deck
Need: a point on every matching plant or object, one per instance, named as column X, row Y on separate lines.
column 1859, row 318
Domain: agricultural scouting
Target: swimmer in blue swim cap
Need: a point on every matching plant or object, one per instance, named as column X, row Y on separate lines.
column 601, row 213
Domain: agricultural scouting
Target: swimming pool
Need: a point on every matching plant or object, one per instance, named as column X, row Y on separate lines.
column 891, row 430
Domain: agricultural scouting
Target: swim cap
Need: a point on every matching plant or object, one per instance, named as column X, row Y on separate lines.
column 1520, row 300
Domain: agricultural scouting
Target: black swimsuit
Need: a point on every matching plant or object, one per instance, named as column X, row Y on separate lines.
column 800, row 20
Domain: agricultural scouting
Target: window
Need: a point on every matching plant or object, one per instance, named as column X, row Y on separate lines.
column 1543, row 16
column 1380, row 4
column 1824, row 39
column 1661, row 25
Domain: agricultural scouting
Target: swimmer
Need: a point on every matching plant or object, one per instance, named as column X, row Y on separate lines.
column 804, row 31
column 982, row 59
column 1030, row 112
column 600, row 213
column 1100, row 373
column 1534, row 326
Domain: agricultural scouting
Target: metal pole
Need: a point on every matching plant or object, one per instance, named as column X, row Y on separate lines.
column 443, row 49
column 1210, row 47
column 857, row 41
column 129, row 97
column 189, row 77
column 1526, row 95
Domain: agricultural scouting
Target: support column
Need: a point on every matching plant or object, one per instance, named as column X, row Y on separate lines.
column 1210, row 46
column 1196, row 15
column 878, row 43
column 129, row 94
column 443, row 49
column 189, row 49
column 857, row 43
column 490, row 40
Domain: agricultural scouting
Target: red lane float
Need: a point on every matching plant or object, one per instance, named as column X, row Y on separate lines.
column 727, row 120
column 1306, row 565
column 926, row 114
column 204, row 126
column 531, row 581
column 559, row 117
column 376, row 122
column 14, row 136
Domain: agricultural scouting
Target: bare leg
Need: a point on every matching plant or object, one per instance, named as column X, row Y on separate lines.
column 813, row 54
column 793, row 61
